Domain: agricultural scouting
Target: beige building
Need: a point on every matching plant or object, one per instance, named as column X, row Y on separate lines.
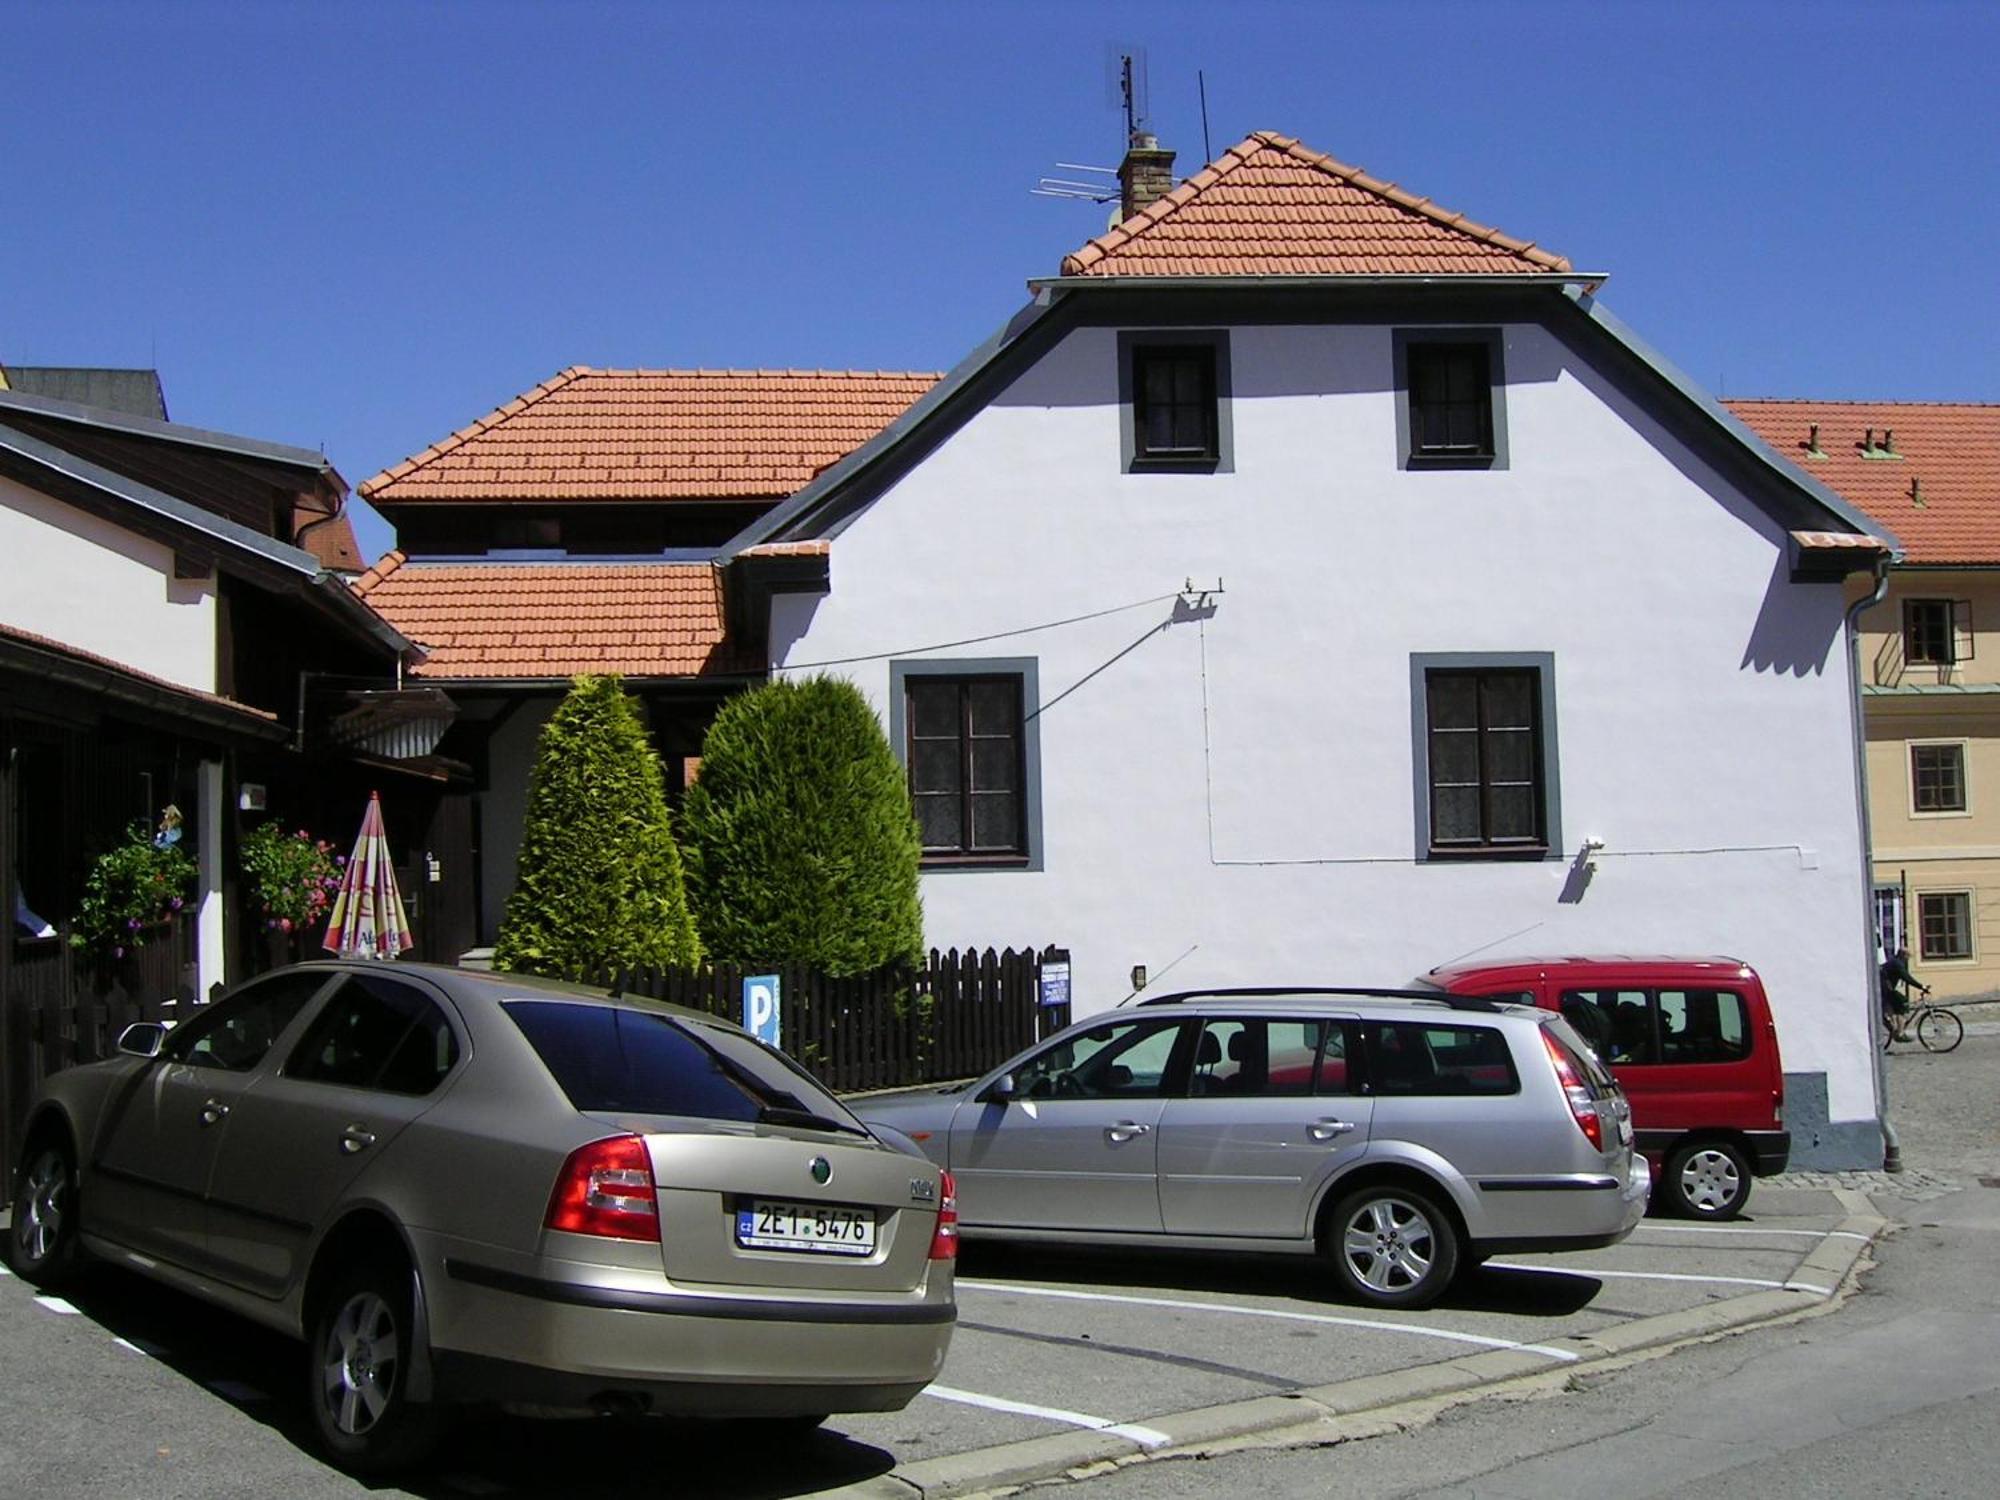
column 1930, row 664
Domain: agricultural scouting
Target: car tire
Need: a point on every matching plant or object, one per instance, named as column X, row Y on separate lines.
column 1393, row 1246
column 358, row 1373
column 42, row 1242
column 1706, row 1180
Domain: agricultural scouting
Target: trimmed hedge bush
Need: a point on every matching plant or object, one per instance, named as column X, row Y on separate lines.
column 801, row 844
column 599, row 880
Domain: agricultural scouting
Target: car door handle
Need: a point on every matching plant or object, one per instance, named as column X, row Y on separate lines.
column 1125, row 1130
column 1326, row 1130
column 213, row 1111
column 354, row 1139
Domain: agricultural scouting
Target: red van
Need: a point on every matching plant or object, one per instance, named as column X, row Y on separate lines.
column 1692, row 1043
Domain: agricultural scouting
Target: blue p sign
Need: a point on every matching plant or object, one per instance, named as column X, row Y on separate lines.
column 760, row 1007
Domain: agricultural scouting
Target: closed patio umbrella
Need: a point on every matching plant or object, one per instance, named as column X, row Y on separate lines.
column 368, row 920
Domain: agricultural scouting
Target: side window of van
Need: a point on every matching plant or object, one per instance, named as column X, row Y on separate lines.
column 1618, row 1024
column 1702, row 1026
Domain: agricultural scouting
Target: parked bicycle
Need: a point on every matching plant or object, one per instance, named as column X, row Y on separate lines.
column 1935, row 1025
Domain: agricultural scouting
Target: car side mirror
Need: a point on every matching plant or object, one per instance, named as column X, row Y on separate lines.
column 142, row 1039
column 1003, row 1090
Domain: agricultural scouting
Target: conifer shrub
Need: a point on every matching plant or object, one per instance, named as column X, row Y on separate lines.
column 598, row 885
column 801, row 843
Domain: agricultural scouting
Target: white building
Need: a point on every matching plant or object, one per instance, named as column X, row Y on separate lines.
column 1312, row 586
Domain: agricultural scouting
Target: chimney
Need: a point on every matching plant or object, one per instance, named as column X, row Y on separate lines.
column 1146, row 173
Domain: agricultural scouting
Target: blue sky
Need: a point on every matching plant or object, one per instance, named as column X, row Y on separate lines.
column 359, row 226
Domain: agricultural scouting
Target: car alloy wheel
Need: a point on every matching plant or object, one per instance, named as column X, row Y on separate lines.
column 44, row 1215
column 360, row 1363
column 1394, row 1247
column 361, row 1351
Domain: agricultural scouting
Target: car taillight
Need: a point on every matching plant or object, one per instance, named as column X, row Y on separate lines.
column 944, row 1240
column 1582, row 1107
column 1778, row 1107
column 607, row 1189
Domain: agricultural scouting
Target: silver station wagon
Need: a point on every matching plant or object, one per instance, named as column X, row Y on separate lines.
column 1399, row 1135
column 458, row 1186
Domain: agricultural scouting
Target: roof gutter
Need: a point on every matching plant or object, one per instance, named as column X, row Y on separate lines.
column 348, row 606
column 1892, row 1148
column 1054, row 286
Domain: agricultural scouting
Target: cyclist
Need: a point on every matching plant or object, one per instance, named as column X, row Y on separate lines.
column 1897, row 982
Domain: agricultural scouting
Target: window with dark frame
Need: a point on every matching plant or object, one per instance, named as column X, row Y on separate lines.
column 1485, row 760
column 1927, row 632
column 1451, row 400
column 1174, row 415
column 967, row 778
column 1937, row 778
column 1944, row 925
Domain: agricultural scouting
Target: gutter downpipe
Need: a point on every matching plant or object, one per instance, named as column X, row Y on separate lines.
column 1892, row 1148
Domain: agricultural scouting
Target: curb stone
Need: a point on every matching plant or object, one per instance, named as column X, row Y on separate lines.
column 1339, row 1412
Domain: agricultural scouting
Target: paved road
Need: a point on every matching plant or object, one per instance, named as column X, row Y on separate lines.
column 1898, row 1393
column 140, row 1391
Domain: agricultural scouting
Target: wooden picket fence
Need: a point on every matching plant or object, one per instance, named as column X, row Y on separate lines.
column 958, row 1016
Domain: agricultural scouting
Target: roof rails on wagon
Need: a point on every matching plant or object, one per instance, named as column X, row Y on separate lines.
column 1346, row 992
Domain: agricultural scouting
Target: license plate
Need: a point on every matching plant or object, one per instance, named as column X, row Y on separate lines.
column 812, row 1227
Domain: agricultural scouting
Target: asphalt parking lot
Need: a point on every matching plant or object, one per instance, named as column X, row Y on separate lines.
column 1059, row 1359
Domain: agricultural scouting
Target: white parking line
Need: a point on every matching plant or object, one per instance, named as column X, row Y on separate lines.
column 1418, row 1330
column 1145, row 1437
column 1811, row 1234
column 55, row 1305
column 1782, row 1286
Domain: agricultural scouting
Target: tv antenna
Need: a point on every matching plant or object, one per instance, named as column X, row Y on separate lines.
column 1125, row 79
column 1126, row 69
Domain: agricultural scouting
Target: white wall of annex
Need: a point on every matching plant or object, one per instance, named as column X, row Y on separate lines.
column 92, row 585
column 1228, row 795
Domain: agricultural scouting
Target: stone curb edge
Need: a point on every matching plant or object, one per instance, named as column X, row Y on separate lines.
column 1006, row 1465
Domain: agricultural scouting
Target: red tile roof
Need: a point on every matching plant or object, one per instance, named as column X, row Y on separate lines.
column 1271, row 207
column 523, row 620
column 1939, row 493
column 656, row 435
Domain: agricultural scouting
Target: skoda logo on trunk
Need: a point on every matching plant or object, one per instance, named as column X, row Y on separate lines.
column 822, row 1170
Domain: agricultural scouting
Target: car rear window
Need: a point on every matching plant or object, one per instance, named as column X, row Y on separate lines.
column 1581, row 1057
column 614, row 1059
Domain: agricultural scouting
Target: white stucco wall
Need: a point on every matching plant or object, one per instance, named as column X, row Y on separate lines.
column 1231, row 799
column 91, row 584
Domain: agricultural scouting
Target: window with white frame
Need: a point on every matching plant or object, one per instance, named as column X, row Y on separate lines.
column 1937, row 778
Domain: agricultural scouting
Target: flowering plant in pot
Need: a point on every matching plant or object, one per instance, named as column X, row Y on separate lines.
column 291, row 876
column 131, row 888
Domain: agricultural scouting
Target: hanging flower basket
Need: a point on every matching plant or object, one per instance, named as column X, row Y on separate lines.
column 132, row 889
column 291, row 877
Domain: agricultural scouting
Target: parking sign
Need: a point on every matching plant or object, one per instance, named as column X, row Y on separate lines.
column 760, row 1007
